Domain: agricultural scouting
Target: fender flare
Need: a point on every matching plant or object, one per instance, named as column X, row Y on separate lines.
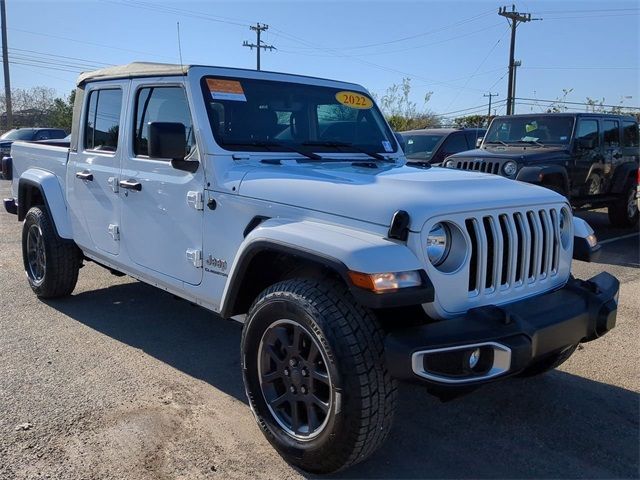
column 622, row 173
column 336, row 248
column 51, row 191
column 536, row 173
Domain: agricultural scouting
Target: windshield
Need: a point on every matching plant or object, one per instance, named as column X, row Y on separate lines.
column 20, row 134
column 263, row 115
column 421, row 147
column 545, row 129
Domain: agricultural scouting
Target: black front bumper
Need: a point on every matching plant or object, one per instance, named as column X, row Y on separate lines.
column 511, row 336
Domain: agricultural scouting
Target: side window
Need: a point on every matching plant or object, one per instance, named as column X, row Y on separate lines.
column 455, row 143
column 102, row 123
column 630, row 134
column 611, row 133
column 42, row 135
column 588, row 130
column 160, row 104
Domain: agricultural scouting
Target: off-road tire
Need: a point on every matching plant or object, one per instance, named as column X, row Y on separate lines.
column 619, row 214
column 549, row 363
column 363, row 392
column 62, row 257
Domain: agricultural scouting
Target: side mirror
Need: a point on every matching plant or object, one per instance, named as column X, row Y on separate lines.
column 478, row 142
column 585, row 243
column 401, row 142
column 585, row 143
column 169, row 140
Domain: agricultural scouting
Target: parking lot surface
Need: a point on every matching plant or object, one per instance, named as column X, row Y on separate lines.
column 124, row 381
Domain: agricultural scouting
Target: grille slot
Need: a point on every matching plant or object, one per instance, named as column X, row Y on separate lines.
column 480, row 166
column 511, row 249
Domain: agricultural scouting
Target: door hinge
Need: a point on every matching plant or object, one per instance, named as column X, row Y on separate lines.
column 195, row 200
column 194, row 257
column 114, row 231
column 113, row 183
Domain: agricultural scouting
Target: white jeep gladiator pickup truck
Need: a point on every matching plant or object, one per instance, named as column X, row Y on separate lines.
column 285, row 201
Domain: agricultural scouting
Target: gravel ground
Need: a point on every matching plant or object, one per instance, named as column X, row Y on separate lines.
column 124, row 381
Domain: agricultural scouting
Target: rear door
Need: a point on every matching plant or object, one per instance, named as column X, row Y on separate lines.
column 162, row 214
column 93, row 169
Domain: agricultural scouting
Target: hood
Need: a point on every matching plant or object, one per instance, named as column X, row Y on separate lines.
column 374, row 194
column 529, row 153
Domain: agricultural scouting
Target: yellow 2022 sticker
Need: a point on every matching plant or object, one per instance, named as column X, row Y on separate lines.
column 354, row 100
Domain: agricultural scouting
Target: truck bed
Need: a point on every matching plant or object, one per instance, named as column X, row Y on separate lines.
column 50, row 157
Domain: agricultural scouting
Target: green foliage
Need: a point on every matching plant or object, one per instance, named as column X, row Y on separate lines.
column 472, row 121
column 403, row 113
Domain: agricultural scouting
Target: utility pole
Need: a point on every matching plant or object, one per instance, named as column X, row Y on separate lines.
column 514, row 18
column 516, row 64
column 5, row 65
column 259, row 45
column 490, row 95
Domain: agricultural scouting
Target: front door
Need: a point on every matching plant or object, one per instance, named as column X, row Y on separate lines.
column 587, row 175
column 93, row 202
column 162, row 208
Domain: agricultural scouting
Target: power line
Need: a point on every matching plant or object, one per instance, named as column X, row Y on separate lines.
column 575, row 103
column 477, row 107
column 490, row 95
column 259, row 45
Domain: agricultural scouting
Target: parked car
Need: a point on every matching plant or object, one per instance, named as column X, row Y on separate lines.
column 590, row 158
column 284, row 201
column 433, row 145
column 28, row 134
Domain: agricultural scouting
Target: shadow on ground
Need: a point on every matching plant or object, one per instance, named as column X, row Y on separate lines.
column 558, row 425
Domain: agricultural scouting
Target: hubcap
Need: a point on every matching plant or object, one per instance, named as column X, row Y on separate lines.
column 36, row 256
column 294, row 379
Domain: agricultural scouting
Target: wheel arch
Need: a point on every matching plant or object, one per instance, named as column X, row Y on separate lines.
column 545, row 175
column 278, row 250
column 622, row 174
column 36, row 187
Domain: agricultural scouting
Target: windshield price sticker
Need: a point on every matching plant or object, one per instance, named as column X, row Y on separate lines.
column 354, row 100
column 226, row 89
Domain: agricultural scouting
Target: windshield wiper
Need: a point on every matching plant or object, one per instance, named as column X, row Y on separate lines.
column 531, row 142
column 336, row 144
column 267, row 144
column 497, row 141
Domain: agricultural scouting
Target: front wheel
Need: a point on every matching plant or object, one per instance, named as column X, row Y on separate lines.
column 314, row 373
column 624, row 212
column 51, row 263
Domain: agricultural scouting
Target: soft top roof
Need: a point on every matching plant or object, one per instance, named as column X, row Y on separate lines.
column 135, row 69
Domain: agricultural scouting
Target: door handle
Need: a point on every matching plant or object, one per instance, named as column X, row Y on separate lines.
column 85, row 175
column 130, row 185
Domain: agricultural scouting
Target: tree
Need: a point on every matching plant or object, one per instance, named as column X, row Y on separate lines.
column 476, row 121
column 39, row 107
column 403, row 113
column 61, row 112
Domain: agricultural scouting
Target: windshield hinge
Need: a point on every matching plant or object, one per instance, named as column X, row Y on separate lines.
column 195, row 200
column 194, row 257
column 241, row 156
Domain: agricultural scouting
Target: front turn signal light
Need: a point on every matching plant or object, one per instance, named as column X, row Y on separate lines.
column 384, row 282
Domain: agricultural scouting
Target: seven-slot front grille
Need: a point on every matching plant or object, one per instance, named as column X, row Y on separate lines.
column 509, row 250
column 479, row 166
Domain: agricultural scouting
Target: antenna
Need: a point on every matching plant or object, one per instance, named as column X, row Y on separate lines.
column 179, row 44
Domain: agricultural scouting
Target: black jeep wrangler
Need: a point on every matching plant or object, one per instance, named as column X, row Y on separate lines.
column 590, row 158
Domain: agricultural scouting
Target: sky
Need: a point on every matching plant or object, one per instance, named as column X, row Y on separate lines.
column 457, row 50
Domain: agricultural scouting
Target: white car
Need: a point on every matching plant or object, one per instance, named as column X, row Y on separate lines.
column 284, row 201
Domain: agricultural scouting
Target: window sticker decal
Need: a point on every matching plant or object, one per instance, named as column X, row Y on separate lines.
column 354, row 100
column 226, row 89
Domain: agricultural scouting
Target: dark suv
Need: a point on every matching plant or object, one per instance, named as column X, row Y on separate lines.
column 590, row 158
column 29, row 135
column 433, row 145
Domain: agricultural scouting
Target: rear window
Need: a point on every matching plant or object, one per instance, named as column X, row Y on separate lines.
column 102, row 123
column 421, row 146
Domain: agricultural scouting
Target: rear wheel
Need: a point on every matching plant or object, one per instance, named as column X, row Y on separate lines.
column 315, row 376
column 51, row 264
column 624, row 211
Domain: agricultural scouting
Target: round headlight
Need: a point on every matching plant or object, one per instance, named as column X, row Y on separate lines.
column 438, row 243
column 449, row 164
column 510, row 168
column 565, row 227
